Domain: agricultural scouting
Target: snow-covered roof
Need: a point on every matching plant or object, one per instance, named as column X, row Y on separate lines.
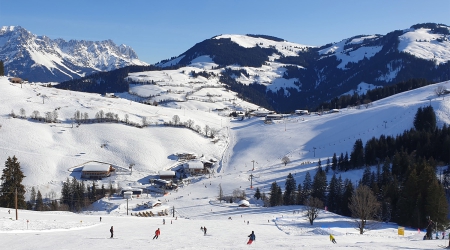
column 167, row 172
column 195, row 165
column 96, row 166
column 244, row 203
column 128, row 189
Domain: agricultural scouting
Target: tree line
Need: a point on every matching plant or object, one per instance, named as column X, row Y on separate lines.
column 402, row 184
column 371, row 95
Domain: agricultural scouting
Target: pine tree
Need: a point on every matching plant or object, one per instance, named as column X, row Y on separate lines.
column 32, row 197
column 327, row 167
column 334, row 162
column 279, row 196
column 93, row 192
column 257, row 194
column 357, row 155
column 319, row 185
column 39, row 202
column 103, row 191
column 2, row 68
column 11, row 181
column 307, row 186
column 346, row 162
column 366, row 176
column 346, row 195
column 299, row 198
column 66, row 194
column 333, row 195
column 386, row 175
column 407, row 203
column 273, row 200
column 289, row 190
column 436, row 203
column 341, row 165
column 425, row 119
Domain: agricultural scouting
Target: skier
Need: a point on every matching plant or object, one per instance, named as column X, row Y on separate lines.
column 332, row 239
column 100, row 219
column 204, row 230
column 164, row 221
column 157, row 233
column 252, row 238
column 111, row 231
column 443, row 234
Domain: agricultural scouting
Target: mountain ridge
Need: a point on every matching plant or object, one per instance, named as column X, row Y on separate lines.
column 40, row 58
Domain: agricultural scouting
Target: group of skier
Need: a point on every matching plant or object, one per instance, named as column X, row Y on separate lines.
column 203, row 229
column 251, row 237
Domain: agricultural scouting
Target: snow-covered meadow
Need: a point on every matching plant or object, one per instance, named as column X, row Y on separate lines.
column 48, row 152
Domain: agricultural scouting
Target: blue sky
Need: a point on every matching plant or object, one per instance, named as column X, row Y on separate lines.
column 158, row 30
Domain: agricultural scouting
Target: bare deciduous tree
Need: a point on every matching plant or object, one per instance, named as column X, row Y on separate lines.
column 364, row 208
column 77, row 116
column 126, row 118
column 86, row 117
column 285, row 160
column 176, row 120
column 312, row 208
column 213, row 132
column 190, row 123
column 206, row 129
column 35, row 115
column 238, row 194
column 48, row 117
column 55, row 115
column 439, row 90
column 101, row 114
column 22, row 113
column 144, row 121
column 198, row 128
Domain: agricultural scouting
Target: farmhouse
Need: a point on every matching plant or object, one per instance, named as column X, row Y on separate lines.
column 185, row 156
column 164, row 184
column 96, row 170
column 15, row 80
column 261, row 113
column 274, row 117
column 195, row 167
column 334, row 111
column 166, row 175
column 208, row 164
column 301, row 112
column 134, row 191
column 152, row 204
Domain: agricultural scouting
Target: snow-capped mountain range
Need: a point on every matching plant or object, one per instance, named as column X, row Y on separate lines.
column 284, row 76
column 39, row 58
column 292, row 75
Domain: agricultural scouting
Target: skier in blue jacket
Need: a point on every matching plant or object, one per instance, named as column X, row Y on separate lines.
column 252, row 238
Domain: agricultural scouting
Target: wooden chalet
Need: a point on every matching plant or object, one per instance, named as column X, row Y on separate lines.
column 96, row 170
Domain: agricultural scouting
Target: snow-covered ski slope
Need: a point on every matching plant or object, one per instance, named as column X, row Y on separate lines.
column 47, row 151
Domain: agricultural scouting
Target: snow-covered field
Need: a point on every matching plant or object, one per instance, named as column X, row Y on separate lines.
column 48, row 152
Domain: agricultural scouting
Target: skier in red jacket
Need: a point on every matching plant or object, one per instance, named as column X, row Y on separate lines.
column 157, row 233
